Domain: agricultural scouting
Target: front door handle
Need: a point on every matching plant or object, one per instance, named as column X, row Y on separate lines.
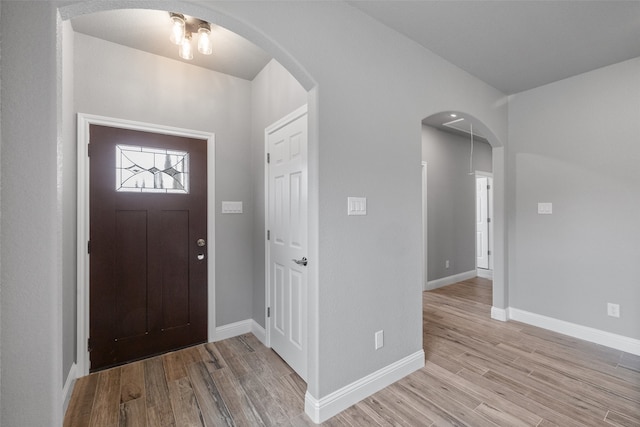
column 302, row 261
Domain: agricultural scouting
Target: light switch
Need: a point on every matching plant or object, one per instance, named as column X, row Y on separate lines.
column 545, row 208
column 356, row 205
column 231, row 207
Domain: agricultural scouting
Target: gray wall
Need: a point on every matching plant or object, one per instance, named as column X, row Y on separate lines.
column 370, row 95
column 274, row 94
column 575, row 143
column 451, row 200
column 30, row 220
column 116, row 81
column 67, row 149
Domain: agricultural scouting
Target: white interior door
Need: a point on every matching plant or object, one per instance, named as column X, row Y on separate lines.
column 287, row 244
column 482, row 223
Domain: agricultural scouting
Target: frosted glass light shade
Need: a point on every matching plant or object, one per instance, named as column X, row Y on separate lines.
column 204, row 41
column 186, row 52
column 177, row 29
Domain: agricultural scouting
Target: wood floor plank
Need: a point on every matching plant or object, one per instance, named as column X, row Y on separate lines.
column 133, row 413
column 617, row 419
column 212, row 407
column 211, row 356
column 243, row 411
column 183, row 402
column 173, row 366
column 570, row 405
column 517, row 397
column 509, row 414
column 268, row 408
column 81, row 402
column 106, row 406
column 159, row 411
column 131, row 382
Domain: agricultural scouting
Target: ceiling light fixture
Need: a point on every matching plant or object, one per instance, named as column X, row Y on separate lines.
column 181, row 30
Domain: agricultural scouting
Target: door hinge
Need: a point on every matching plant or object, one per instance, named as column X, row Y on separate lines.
column 488, row 187
column 268, row 311
column 488, row 252
column 88, row 150
column 89, row 344
column 268, row 234
column 88, row 246
column 268, row 157
column 488, row 219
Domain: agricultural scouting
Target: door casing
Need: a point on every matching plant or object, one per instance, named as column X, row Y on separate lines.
column 84, row 121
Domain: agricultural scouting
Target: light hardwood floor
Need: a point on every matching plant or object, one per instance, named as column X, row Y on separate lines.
column 478, row 372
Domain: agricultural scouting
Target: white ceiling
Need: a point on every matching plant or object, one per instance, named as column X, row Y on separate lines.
column 148, row 30
column 518, row 45
column 512, row 45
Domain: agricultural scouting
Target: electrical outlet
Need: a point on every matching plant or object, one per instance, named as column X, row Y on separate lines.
column 613, row 310
column 446, row 264
column 379, row 339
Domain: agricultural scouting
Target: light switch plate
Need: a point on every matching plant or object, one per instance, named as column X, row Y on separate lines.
column 231, row 207
column 545, row 208
column 356, row 205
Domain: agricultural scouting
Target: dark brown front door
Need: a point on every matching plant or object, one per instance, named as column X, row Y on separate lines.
column 148, row 257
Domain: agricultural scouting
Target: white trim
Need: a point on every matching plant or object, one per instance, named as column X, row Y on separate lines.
column 450, row 280
column 320, row 410
column 248, row 326
column 425, row 225
column 608, row 339
column 67, row 389
column 84, row 121
column 499, row 314
column 484, row 273
column 233, row 329
column 259, row 332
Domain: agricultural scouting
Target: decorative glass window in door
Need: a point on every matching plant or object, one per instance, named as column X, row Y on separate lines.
column 151, row 170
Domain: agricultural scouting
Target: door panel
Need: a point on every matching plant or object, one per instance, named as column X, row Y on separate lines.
column 148, row 287
column 287, row 222
column 482, row 224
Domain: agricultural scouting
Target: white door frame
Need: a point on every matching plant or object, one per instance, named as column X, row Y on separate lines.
column 425, row 223
column 489, row 215
column 84, row 121
column 267, row 282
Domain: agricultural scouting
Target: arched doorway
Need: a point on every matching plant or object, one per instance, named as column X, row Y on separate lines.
column 207, row 13
column 461, row 123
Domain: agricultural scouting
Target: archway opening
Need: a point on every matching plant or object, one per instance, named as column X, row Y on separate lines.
column 283, row 64
column 457, row 149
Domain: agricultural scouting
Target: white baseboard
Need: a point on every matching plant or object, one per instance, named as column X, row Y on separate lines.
column 68, row 386
column 239, row 328
column 320, row 410
column 450, row 280
column 608, row 339
column 233, row 329
column 484, row 273
column 259, row 332
column 499, row 314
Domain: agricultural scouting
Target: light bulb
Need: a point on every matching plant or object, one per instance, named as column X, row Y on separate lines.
column 177, row 28
column 185, row 50
column 204, row 39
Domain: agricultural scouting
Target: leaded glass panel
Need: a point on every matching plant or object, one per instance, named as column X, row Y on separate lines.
column 151, row 170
